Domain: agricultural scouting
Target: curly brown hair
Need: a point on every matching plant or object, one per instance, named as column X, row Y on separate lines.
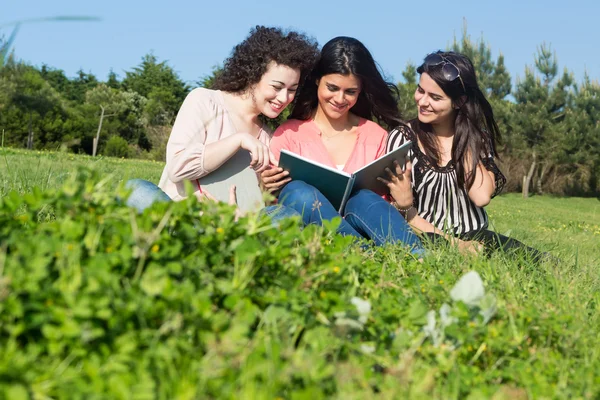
column 250, row 59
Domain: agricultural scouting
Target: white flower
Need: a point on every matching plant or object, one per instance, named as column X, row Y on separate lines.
column 363, row 307
column 367, row 348
column 469, row 289
column 445, row 318
column 436, row 334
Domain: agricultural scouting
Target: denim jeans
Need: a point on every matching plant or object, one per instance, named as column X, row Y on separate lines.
column 144, row 194
column 367, row 215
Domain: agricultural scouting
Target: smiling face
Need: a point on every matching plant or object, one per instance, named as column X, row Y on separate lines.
column 337, row 94
column 434, row 106
column 276, row 89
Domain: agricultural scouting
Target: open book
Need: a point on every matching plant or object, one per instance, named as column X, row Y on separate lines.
column 336, row 185
column 235, row 171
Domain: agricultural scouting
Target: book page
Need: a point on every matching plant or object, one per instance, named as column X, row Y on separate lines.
column 366, row 177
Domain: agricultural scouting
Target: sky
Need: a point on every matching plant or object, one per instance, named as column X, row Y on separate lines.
column 194, row 36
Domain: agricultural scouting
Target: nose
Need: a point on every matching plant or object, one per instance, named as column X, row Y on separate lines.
column 284, row 96
column 422, row 101
column 339, row 97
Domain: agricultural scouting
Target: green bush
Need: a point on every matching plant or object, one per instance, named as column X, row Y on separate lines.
column 183, row 302
column 116, row 146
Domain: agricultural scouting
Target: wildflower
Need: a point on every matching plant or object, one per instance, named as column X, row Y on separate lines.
column 316, row 205
column 469, row 289
column 367, row 348
column 336, row 269
column 155, row 248
column 363, row 307
column 220, row 230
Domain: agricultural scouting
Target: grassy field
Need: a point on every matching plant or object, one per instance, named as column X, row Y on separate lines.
column 543, row 343
column 567, row 227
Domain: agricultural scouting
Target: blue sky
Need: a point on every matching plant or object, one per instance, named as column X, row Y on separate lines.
column 195, row 35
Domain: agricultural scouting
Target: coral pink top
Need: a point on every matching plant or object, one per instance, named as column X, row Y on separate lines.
column 304, row 138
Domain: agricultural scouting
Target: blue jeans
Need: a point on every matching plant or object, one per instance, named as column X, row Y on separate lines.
column 367, row 215
column 144, row 194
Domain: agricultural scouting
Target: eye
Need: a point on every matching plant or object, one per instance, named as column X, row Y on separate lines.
column 292, row 90
column 332, row 88
column 351, row 92
column 420, row 89
column 276, row 87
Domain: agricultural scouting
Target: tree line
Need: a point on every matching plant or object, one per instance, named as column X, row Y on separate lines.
column 549, row 121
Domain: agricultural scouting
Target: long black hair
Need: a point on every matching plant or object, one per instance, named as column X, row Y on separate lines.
column 475, row 130
column 345, row 55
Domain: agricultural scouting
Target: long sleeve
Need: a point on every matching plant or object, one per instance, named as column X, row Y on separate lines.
column 185, row 149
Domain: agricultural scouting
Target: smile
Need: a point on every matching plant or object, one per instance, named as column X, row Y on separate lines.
column 338, row 108
column 276, row 107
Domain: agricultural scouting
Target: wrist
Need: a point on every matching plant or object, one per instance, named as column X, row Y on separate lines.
column 404, row 210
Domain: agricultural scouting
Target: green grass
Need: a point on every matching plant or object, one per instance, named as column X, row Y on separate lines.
column 22, row 170
column 543, row 342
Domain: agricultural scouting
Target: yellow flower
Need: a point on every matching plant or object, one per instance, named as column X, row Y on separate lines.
column 155, row 248
column 220, row 230
column 322, row 295
column 336, row 270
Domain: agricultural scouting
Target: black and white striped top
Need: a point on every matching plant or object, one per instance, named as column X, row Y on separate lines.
column 438, row 198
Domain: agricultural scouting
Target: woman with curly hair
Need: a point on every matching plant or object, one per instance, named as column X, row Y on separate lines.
column 261, row 77
column 332, row 122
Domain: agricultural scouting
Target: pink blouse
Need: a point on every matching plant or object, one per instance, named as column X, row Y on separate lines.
column 303, row 138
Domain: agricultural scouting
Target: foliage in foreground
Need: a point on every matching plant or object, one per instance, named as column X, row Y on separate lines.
column 183, row 302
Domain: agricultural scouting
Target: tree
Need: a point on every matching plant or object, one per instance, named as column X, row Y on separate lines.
column 492, row 75
column 126, row 107
column 207, row 81
column 542, row 102
column 159, row 83
column 32, row 105
column 406, row 89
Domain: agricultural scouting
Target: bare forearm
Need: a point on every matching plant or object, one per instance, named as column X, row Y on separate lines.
column 420, row 224
column 215, row 154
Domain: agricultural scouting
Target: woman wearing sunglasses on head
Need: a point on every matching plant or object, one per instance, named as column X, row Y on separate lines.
column 332, row 123
column 453, row 174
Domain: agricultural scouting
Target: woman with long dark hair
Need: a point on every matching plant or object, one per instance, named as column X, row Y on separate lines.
column 333, row 123
column 452, row 175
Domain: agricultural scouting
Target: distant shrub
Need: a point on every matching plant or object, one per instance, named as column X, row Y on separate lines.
column 116, row 146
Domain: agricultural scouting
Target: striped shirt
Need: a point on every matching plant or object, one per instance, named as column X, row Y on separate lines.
column 438, row 198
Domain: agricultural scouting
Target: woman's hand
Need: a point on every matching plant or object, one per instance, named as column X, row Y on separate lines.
column 399, row 183
column 260, row 153
column 232, row 200
column 469, row 247
column 274, row 178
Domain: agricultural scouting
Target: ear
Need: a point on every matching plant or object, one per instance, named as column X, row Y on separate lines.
column 460, row 102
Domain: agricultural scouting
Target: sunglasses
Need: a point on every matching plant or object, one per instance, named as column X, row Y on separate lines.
column 450, row 70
